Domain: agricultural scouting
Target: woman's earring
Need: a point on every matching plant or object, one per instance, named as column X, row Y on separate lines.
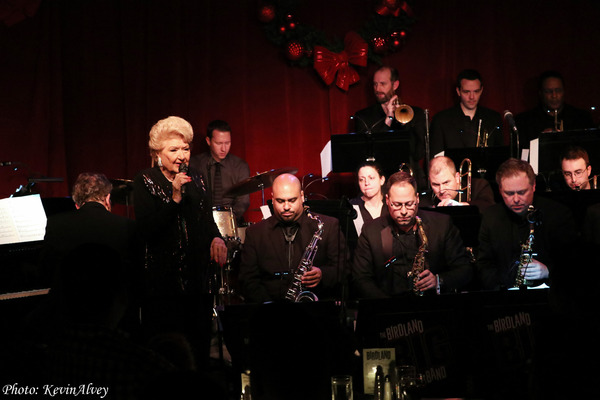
column 159, row 162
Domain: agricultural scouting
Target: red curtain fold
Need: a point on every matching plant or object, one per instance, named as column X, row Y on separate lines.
column 83, row 82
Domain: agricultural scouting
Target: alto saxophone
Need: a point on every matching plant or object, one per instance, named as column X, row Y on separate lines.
column 419, row 261
column 526, row 251
column 296, row 292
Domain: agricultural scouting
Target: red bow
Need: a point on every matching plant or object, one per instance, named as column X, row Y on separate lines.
column 328, row 63
column 393, row 7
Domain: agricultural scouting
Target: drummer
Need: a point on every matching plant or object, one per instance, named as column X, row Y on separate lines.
column 222, row 170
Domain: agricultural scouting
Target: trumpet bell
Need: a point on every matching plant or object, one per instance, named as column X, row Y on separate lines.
column 404, row 113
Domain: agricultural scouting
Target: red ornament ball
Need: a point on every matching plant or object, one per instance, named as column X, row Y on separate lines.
column 395, row 41
column 294, row 51
column 379, row 44
column 266, row 13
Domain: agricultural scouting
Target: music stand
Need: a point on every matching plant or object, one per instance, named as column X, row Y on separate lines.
column 485, row 160
column 389, row 149
column 548, row 148
column 466, row 218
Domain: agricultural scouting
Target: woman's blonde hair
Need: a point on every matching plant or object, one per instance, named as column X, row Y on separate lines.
column 166, row 129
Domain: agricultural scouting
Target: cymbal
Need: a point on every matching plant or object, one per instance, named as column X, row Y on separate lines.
column 122, row 192
column 258, row 182
column 122, row 183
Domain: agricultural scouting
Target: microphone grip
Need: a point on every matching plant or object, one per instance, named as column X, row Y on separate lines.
column 183, row 168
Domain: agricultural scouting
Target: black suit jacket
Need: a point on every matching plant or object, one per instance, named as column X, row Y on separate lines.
column 266, row 272
column 502, row 232
column 92, row 223
column 451, row 129
column 446, row 255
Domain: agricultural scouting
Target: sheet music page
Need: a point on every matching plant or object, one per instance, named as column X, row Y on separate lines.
column 266, row 211
column 534, row 154
column 22, row 219
column 358, row 221
column 326, row 166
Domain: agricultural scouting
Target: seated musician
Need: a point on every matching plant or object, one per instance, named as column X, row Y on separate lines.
column 387, row 248
column 275, row 246
column 221, row 170
column 467, row 124
column 576, row 168
column 552, row 113
column 446, row 185
column 380, row 117
column 370, row 181
column 549, row 228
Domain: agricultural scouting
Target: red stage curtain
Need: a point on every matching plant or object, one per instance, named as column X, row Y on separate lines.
column 83, row 82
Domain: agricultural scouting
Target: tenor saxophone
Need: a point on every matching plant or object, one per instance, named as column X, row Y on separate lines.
column 526, row 251
column 419, row 261
column 296, row 291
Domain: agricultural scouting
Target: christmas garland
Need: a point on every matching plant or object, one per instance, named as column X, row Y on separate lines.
column 385, row 31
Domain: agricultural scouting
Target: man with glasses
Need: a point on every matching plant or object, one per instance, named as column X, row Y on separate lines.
column 387, row 247
column 552, row 113
column 576, row 168
column 506, row 228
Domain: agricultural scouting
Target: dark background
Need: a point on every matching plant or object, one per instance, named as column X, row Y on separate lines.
column 82, row 82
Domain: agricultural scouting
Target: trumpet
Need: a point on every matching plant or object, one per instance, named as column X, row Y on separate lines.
column 482, row 137
column 466, row 188
column 403, row 113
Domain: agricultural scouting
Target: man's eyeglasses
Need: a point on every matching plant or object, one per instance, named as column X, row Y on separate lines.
column 576, row 174
column 409, row 205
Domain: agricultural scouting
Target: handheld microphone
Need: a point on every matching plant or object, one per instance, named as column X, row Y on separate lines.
column 183, row 168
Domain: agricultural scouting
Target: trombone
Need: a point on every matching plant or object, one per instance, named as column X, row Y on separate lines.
column 467, row 187
column 403, row 113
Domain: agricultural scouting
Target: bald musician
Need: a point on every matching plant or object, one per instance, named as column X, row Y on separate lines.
column 274, row 247
column 446, row 185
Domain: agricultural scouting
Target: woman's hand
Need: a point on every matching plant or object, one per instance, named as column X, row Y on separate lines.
column 218, row 251
column 180, row 179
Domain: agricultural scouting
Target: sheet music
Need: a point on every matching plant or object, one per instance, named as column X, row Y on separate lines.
column 358, row 221
column 266, row 211
column 534, row 154
column 22, row 219
column 326, row 165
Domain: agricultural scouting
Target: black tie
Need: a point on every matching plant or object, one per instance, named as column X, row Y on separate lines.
column 217, row 186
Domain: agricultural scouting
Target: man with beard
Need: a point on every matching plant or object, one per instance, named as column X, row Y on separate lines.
column 461, row 126
column 274, row 247
column 386, row 248
column 506, row 228
column 380, row 118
